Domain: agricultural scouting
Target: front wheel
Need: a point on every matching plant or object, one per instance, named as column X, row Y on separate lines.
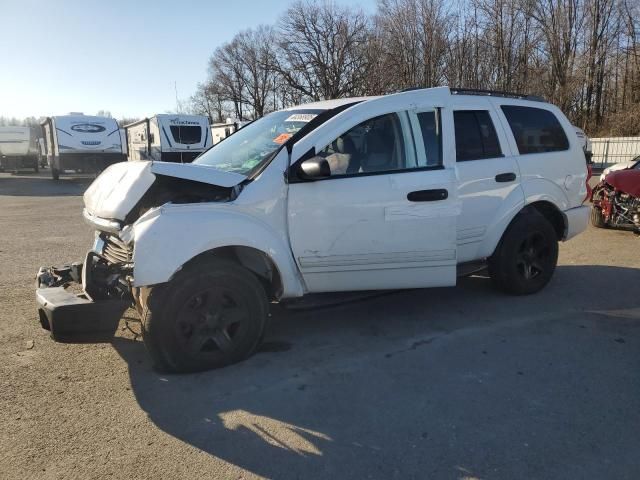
column 526, row 256
column 55, row 173
column 210, row 315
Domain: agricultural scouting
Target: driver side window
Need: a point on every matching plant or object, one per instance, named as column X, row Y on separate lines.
column 375, row 145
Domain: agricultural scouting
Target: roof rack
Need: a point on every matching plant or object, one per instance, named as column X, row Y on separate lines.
column 410, row 89
column 496, row 93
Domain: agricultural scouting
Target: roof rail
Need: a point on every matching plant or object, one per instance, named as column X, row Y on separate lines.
column 495, row 93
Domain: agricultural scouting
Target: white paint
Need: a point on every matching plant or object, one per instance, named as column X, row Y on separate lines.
column 357, row 232
column 198, row 173
column 149, row 138
column 116, row 190
column 81, row 134
column 17, row 142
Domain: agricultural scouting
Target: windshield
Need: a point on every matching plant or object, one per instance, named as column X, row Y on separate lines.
column 251, row 146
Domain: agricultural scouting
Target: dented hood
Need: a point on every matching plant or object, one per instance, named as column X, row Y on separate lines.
column 121, row 186
column 627, row 181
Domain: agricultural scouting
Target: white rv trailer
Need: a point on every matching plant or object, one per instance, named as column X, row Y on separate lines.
column 168, row 138
column 18, row 148
column 82, row 143
column 220, row 131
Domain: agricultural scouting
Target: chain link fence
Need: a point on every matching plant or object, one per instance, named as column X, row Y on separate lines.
column 610, row 150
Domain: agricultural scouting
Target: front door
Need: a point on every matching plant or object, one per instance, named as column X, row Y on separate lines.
column 385, row 218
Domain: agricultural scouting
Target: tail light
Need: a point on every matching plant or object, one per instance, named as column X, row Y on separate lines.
column 589, row 175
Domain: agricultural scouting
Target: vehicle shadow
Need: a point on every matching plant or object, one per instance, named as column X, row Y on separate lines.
column 42, row 185
column 379, row 388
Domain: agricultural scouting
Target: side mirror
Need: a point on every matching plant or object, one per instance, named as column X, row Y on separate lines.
column 314, row 168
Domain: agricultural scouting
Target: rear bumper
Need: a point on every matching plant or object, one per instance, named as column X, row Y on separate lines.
column 576, row 220
column 74, row 317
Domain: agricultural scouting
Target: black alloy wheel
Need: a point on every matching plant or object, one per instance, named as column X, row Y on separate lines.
column 213, row 320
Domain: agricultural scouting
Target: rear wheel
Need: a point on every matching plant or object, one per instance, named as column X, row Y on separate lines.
column 526, row 256
column 597, row 219
column 210, row 315
column 55, row 173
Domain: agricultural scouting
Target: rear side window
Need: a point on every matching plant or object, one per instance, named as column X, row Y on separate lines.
column 476, row 137
column 186, row 135
column 536, row 130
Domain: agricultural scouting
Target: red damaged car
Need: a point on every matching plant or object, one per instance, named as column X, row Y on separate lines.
column 616, row 200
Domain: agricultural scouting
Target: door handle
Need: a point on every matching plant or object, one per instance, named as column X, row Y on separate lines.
column 505, row 177
column 428, row 195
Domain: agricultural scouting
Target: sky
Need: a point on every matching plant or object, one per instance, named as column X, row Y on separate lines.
column 127, row 57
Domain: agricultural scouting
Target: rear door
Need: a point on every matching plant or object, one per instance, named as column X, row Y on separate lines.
column 385, row 218
column 488, row 175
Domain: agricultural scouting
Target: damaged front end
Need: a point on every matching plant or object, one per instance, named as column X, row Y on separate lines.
column 85, row 301
column 82, row 301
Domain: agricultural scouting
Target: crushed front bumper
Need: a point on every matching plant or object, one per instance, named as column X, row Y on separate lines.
column 75, row 317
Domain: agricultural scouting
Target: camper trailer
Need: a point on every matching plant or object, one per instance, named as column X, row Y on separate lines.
column 18, row 149
column 81, row 143
column 168, row 138
column 220, row 131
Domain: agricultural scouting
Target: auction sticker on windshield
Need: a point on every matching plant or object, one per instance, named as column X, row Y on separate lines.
column 301, row 117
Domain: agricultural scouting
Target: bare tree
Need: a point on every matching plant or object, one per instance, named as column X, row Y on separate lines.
column 582, row 55
column 561, row 23
column 322, row 49
column 415, row 41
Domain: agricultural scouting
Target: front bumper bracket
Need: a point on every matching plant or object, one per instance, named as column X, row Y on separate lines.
column 75, row 317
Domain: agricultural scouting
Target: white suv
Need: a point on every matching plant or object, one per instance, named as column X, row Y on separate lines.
column 408, row 190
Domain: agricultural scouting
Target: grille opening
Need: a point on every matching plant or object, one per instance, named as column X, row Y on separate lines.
column 115, row 251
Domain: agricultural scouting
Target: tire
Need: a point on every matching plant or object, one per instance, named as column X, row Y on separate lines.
column 526, row 256
column 597, row 219
column 212, row 314
column 36, row 168
column 55, row 173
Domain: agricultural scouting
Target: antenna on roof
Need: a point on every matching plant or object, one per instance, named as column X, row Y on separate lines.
column 175, row 88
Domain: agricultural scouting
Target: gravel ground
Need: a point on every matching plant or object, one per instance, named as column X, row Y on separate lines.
column 458, row 383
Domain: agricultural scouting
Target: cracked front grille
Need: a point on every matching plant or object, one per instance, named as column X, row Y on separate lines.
column 115, row 251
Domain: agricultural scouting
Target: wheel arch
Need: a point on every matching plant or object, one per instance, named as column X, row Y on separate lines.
column 546, row 208
column 256, row 261
column 552, row 214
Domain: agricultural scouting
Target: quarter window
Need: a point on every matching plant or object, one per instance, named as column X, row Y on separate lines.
column 376, row 145
column 476, row 137
column 535, row 130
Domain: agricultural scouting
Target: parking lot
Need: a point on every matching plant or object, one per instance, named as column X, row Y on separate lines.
column 458, row 383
